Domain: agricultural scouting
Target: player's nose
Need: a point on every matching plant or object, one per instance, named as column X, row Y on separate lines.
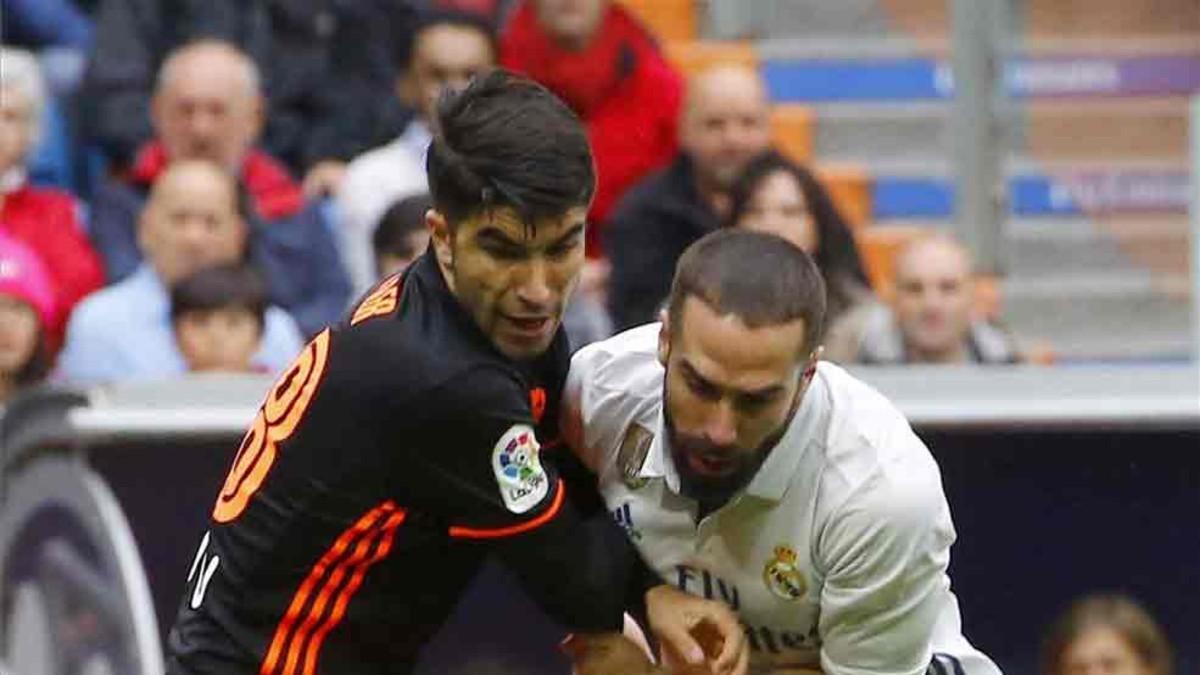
column 533, row 288
column 721, row 425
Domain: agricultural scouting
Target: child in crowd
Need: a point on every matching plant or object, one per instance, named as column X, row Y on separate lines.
column 26, row 311
column 218, row 315
column 401, row 236
column 1108, row 634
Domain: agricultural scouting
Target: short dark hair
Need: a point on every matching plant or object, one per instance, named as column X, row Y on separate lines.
column 760, row 278
column 405, row 44
column 400, row 220
column 1119, row 613
column 836, row 254
column 506, row 141
column 233, row 285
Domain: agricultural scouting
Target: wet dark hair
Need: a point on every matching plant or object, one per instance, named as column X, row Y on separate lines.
column 760, row 278
column 1118, row 613
column 405, row 45
column 227, row 286
column 506, row 141
column 836, row 255
column 400, row 220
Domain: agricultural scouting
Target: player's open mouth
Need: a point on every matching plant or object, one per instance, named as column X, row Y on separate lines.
column 529, row 326
column 709, row 465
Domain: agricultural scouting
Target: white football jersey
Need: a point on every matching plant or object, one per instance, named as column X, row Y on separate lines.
column 835, row 554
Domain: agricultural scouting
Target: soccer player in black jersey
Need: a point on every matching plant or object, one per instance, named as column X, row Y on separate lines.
column 404, row 446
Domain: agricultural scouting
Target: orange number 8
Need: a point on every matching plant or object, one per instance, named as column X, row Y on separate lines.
column 275, row 422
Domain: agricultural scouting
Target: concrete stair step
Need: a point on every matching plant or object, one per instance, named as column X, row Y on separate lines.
column 1052, row 248
column 1110, row 18
column 1145, row 128
column 1099, row 316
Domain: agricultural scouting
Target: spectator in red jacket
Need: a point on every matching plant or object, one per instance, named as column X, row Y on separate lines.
column 45, row 220
column 599, row 59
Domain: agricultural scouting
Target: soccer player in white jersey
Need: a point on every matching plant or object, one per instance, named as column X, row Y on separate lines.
column 770, row 480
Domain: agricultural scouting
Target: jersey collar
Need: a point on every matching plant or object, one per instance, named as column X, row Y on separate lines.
column 658, row 462
column 776, row 474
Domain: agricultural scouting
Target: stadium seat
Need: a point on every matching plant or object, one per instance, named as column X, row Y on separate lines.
column 692, row 57
column 879, row 246
column 850, row 187
column 792, row 131
column 669, row 20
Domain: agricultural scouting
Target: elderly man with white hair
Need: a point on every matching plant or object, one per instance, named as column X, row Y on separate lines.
column 208, row 105
column 46, row 220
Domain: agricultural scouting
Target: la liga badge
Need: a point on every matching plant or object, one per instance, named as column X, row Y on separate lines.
column 519, row 473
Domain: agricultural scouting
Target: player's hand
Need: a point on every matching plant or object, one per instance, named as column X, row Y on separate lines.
column 697, row 632
column 608, row 654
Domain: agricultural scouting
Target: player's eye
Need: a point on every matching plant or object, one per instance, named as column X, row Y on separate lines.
column 700, row 387
column 753, row 402
column 502, row 250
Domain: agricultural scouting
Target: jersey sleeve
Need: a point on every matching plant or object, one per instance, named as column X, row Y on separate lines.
column 597, row 403
column 885, row 552
column 495, row 488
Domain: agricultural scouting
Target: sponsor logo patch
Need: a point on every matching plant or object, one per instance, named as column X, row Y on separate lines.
column 523, row 482
column 782, row 576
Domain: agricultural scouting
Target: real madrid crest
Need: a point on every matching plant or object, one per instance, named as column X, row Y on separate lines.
column 782, row 576
column 632, row 454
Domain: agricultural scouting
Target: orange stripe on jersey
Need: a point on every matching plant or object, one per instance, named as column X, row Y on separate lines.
column 498, row 532
column 343, row 600
column 366, row 529
column 381, row 301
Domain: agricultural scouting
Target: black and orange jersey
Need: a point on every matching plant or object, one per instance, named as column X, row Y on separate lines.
column 396, row 453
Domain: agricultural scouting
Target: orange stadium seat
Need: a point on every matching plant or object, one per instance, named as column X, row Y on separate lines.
column 669, row 20
column 878, row 247
column 850, row 187
column 692, row 57
column 792, row 128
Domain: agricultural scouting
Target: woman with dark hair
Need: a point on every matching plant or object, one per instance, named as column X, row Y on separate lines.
column 778, row 196
column 26, row 310
column 1109, row 634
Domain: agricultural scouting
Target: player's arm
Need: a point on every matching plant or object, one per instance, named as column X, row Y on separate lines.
column 488, row 479
column 885, row 552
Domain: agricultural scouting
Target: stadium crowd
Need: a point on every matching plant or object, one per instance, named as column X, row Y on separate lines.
column 194, row 185
column 320, row 114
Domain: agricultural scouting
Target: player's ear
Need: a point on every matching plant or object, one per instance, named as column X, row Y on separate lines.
column 442, row 238
column 810, row 368
column 664, row 337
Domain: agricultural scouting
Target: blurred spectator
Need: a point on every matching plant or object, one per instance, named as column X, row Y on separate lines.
column 933, row 320
column 1106, row 635
column 44, row 219
column 402, row 235
column 447, row 51
column 600, row 59
column 777, row 196
column 190, row 221
column 207, row 106
column 325, row 64
column 725, row 124
column 218, row 315
column 58, row 30
column 26, row 309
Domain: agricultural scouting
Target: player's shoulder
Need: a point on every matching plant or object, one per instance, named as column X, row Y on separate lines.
column 626, row 362
column 399, row 336
column 872, row 449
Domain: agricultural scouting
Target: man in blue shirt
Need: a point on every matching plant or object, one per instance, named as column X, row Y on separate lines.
column 191, row 221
